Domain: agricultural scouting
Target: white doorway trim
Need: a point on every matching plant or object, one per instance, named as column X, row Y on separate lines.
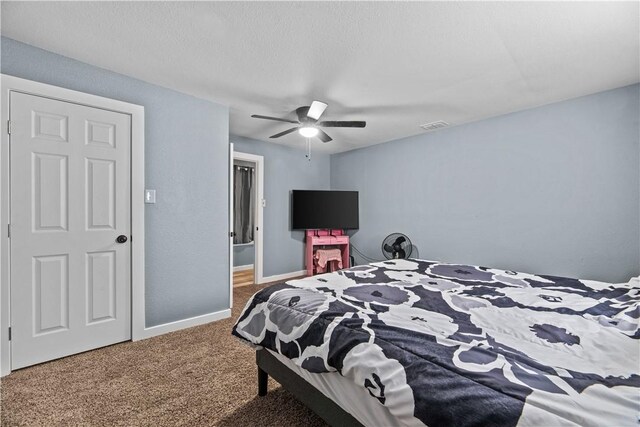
column 230, row 226
column 10, row 84
column 260, row 203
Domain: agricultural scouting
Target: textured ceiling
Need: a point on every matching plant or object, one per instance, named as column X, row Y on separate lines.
column 395, row 65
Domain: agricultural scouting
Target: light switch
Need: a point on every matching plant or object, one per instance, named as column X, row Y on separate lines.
column 150, row 196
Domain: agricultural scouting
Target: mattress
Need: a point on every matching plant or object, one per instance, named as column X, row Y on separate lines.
column 346, row 394
column 449, row 344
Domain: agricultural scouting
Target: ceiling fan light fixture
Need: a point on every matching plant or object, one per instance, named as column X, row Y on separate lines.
column 308, row 131
column 308, row 124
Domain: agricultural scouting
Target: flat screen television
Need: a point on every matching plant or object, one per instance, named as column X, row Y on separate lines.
column 313, row 209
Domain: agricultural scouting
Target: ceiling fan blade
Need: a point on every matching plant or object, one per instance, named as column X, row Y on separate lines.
column 316, row 109
column 257, row 116
column 286, row 132
column 322, row 136
column 343, row 124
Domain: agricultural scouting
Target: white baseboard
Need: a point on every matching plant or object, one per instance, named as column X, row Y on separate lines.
column 243, row 267
column 182, row 324
column 285, row 276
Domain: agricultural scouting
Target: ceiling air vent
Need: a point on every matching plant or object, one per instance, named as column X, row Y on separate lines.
column 434, row 125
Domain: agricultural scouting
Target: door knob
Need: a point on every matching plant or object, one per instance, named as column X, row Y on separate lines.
column 121, row 238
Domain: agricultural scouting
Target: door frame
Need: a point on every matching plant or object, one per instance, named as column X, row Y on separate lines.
column 230, row 213
column 10, row 84
column 258, row 240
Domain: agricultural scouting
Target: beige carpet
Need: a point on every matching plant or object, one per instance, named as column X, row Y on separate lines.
column 200, row 376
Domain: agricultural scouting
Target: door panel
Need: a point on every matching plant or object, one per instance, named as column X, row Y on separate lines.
column 101, row 134
column 49, row 126
column 101, row 189
column 49, row 183
column 70, row 199
column 101, row 286
column 51, row 293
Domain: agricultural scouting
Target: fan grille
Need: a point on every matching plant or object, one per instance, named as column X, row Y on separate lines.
column 397, row 246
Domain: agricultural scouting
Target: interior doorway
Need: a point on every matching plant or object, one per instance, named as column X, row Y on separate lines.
column 247, row 202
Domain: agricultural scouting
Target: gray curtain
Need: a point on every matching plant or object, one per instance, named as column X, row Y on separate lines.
column 243, row 204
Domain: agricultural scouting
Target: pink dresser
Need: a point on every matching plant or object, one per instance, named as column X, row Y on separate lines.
column 320, row 238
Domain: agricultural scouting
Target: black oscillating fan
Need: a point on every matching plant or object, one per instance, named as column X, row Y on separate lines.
column 396, row 246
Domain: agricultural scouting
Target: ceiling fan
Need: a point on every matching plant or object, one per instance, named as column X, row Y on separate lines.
column 309, row 126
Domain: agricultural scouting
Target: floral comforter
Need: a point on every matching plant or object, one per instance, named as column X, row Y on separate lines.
column 446, row 344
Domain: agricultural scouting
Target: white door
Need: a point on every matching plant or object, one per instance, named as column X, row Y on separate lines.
column 70, row 216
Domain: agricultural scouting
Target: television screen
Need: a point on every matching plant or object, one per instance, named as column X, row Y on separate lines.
column 312, row 209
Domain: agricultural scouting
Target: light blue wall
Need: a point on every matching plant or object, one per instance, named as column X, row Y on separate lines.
column 243, row 254
column 551, row 190
column 186, row 159
column 285, row 169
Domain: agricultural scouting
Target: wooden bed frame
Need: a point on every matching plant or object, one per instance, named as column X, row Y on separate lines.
column 327, row 409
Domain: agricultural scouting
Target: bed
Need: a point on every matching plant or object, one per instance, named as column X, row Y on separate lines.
column 415, row 342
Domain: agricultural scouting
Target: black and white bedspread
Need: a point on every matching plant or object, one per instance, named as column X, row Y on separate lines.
column 445, row 344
